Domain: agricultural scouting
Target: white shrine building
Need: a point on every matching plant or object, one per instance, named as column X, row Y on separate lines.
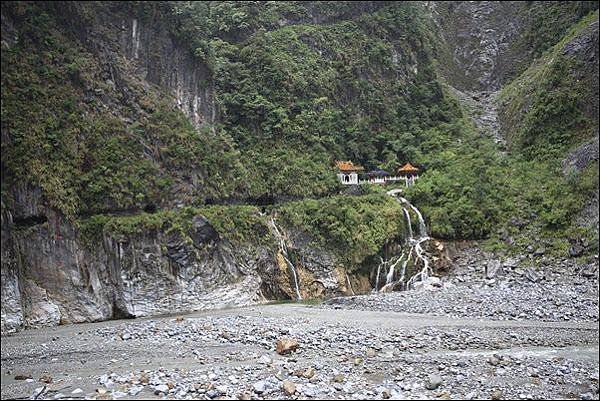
column 348, row 172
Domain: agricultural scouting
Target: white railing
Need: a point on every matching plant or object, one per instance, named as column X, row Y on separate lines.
column 383, row 180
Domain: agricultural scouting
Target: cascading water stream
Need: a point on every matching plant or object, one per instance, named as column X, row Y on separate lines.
column 349, row 284
column 422, row 227
column 284, row 252
column 381, row 263
column 407, row 218
column 390, row 276
column 415, row 247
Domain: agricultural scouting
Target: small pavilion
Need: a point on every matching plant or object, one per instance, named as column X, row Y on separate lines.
column 348, row 172
column 409, row 172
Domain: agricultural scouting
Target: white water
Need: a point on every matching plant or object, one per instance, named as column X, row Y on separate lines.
column 403, row 271
column 422, row 228
column 284, row 251
column 350, row 284
column 390, row 276
column 415, row 247
column 407, row 218
column 381, row 262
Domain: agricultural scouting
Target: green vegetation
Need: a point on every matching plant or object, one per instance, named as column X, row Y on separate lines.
column 353, row 227
column 555, row 98
column 546, row 111
column 237, row 224
column 85, row 156
column 463, row 192
column 293, row 96
column 471, row 190
column 298, row 97
column 546, row 23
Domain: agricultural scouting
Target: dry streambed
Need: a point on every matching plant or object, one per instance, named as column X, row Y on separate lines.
column 505, row 337
column 340, row 354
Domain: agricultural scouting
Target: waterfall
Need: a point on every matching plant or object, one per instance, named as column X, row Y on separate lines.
column 284, row 252
column 350, row 284
column 414, row 244
column 403, row 271
column 422, row 228
column 381, row 262
column 408, row 223
column 390, row 276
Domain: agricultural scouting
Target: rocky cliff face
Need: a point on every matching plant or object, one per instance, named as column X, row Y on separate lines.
column 137, row 41
column 126, row 59
column 478, row 39
column 486, row 44
column 51, row 275
column 554, row 104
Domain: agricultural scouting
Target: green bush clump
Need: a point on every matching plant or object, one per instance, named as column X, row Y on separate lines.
column 235, row 223
column 547, row 23
column 354, row 227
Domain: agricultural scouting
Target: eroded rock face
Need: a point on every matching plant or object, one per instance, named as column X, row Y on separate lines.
column 202, row 231
column 12, row 312
column 479, row 36
column 581, row 157
column 135, row 42
column 51, row 276
column 584, row 48
column 38, row 308
column 577, row 161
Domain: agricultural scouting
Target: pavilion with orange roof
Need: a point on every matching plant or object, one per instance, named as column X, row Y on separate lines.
column 348, row 172
column 408, row 170
column 409, row 174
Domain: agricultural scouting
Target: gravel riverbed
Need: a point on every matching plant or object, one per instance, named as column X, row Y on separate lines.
column 469, row 338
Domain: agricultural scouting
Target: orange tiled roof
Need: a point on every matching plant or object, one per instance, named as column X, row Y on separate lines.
column 408, row 167
column 348, row 166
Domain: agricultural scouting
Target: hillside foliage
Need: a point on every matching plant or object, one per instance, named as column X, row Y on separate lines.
column 298, row 85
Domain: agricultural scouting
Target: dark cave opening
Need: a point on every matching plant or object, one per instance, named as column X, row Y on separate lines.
column 29, row 221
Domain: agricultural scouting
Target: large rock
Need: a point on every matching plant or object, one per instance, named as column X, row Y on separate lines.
column 202, row 231
column 493, row 268
column 12, row 311
column 286, row 345
column 39, row 310
column 578, row 160
column 532, row 275
column 289, row 387
column 433, row 382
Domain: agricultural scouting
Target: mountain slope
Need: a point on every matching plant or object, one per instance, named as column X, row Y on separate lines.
column 132, row 131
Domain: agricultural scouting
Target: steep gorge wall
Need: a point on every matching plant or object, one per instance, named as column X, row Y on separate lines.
column 138, row 41
column 551, row 111
column 478, row 38
column 528, row 73
column 484, row 45
column 51, row 275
